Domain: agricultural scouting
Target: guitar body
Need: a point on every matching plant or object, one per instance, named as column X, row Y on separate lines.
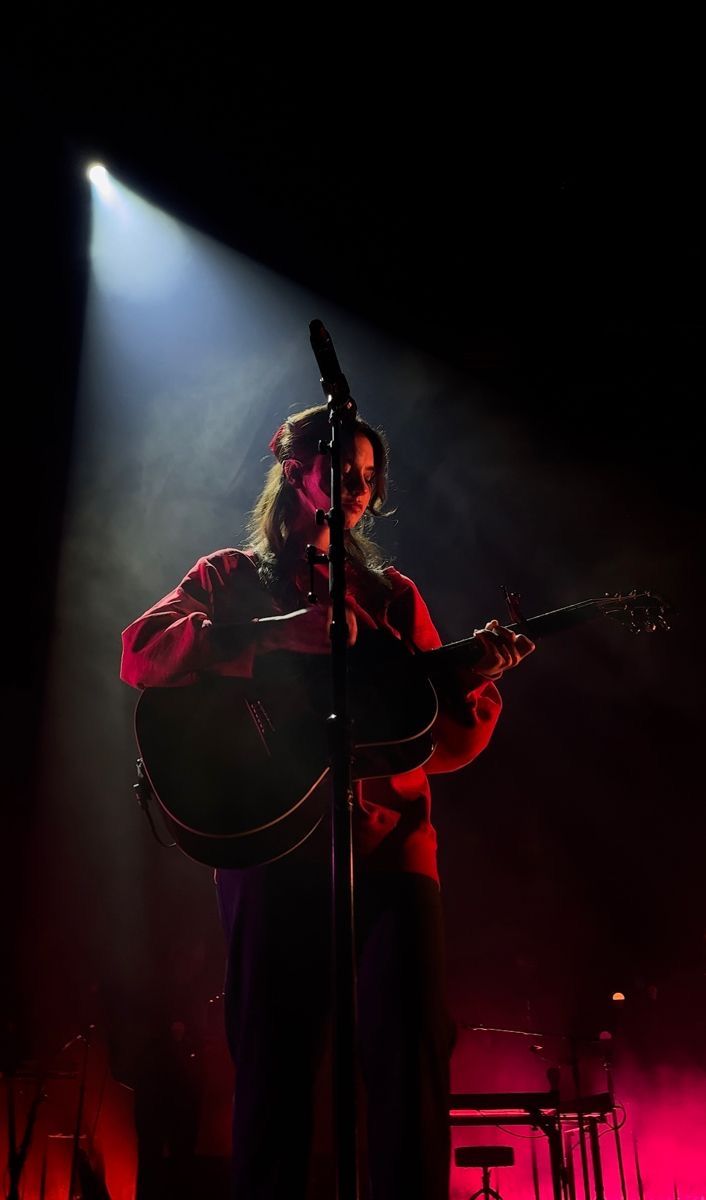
column 239, row 765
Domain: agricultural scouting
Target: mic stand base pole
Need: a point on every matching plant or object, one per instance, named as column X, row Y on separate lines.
column 341, row 408
column 344, row 1006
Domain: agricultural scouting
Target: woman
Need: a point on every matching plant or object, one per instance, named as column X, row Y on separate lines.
column 236, row 605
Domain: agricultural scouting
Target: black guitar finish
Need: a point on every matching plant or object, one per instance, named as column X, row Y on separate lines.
column 236, row 764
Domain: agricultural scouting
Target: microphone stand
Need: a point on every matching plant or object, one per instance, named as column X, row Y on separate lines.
column 341, row 408
column 583, row 1142
column 17, row 1155
column 76, row 1139
column 607, row 1066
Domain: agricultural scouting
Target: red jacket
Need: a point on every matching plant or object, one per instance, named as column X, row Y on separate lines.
column 168, row 646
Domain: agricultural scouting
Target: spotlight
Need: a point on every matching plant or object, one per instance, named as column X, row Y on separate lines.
column 100, row 179
column 97, row 174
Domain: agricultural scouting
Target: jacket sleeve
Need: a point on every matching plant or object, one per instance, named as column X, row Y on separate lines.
column 469, row 706
column 173, row 641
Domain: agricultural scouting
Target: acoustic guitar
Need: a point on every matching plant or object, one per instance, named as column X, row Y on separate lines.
column 237, row 765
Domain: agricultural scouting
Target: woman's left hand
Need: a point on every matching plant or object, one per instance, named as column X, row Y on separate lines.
column 502, row 650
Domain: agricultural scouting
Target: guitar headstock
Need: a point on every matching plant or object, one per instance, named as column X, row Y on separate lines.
column 640, row 612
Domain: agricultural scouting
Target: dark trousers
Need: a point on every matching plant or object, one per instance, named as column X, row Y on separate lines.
column 278, row 990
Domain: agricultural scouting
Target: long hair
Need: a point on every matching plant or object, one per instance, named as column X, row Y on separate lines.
column 272, row 518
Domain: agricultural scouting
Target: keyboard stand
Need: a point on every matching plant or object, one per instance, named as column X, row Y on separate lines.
column 540, row 1110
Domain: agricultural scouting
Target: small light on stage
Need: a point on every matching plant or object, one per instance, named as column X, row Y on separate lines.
column 618, row 996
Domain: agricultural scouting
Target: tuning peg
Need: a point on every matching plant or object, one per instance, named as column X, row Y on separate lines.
column 512, row 600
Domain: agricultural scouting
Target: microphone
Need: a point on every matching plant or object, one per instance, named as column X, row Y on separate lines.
column 333, row 381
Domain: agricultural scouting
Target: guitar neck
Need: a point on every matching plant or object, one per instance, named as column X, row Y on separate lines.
column 467, row 651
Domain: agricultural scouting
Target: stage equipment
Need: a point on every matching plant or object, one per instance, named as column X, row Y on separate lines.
column 38, row 1075
column 539, row 1110
column 561, row 1118
column 485, row 1157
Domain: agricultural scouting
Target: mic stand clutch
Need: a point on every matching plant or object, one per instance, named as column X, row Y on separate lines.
column 341, row 409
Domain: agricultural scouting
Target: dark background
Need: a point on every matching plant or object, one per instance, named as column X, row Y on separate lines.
column 534, row 221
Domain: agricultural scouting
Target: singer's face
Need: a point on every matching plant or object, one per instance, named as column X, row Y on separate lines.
column 357, row 482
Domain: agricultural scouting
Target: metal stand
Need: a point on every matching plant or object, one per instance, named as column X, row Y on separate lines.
column 599, row 1191
column 485, row 1157
column 485, row 1190
column 571, row 1174
column 341, row 408
column 638, row 1170
column 583, row 1144
column 74, row 1192
column 535, row 1172
column 616, row 1124
column 17, row 1155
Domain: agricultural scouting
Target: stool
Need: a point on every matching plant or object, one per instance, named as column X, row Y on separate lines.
column 485, row 1157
